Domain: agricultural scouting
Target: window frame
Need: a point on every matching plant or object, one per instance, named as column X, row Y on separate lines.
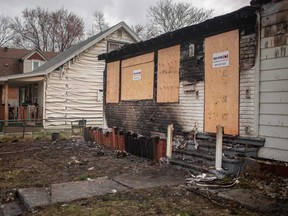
column 34, row 61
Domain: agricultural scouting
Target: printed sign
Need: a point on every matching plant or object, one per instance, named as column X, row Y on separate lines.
column 137, row 74
column 221, row 59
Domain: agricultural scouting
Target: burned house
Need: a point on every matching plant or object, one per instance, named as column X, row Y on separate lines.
column 230, row 71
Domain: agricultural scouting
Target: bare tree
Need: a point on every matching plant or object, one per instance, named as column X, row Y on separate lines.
column 140, row 30
column 48, row 31
column 67, row 29
column 6, row 32
column 99, row 24
column 167, row 16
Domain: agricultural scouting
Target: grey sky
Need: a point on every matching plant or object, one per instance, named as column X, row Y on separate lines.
column 130, row 11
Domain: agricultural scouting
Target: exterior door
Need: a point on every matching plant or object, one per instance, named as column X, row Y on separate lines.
column 222, row 82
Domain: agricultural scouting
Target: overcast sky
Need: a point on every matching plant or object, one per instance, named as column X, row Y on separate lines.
column 130, row 11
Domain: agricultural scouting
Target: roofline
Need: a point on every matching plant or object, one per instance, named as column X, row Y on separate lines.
column 226, row 22
column 52, row 68
column 102, row 36
column 19, row 76
column 35, row 51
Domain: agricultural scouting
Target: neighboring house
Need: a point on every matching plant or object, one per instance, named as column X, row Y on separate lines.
column 230, row 71
column 70, row 85
column 19, row 61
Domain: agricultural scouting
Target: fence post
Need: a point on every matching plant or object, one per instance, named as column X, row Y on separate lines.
column 219, row 139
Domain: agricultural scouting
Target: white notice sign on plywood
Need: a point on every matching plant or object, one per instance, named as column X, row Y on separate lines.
column 137, row 74
column 221, row 59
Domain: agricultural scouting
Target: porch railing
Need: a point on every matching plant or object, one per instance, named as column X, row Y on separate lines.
column 30, row 115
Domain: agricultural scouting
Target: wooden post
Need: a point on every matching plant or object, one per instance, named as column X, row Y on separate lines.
column 1, row 94
column 169, row 141
column 218, row 156
column 6, row 115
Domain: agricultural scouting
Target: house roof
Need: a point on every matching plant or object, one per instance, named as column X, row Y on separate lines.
column 72, row 52
column 13, row 53
column 243, row 19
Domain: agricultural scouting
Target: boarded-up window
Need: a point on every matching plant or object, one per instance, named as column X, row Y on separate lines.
column 138, row 78
column 222, row 82
column 112, row 87
column 168, row 74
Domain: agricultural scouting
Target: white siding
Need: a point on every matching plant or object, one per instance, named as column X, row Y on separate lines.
column 273, row 113
column 247, row 102
column 72, row 94
column 125, row 37
column 190, row 106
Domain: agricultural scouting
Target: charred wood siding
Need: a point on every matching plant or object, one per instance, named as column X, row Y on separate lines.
column 248, row 47
column 192, row 68
column 142, row 117
column 145, row 116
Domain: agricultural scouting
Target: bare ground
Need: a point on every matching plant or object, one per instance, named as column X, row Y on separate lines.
column 42, row 163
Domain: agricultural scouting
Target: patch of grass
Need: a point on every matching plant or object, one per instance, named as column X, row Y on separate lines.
column 82, row 177
column 186, row 214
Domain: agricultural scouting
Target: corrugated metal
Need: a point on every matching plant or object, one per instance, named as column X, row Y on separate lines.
column 273, row 114
column 72, row 94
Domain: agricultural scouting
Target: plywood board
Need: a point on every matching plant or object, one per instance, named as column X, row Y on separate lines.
column 168, row 74
column 112, row 83
column 222, row 84
column 149, row 57
column 137, row 78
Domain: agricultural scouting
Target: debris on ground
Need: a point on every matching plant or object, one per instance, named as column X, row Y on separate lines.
column 120, row 153
column 180, row 142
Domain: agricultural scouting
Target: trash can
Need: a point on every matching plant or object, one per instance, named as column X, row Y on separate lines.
column 55, row 136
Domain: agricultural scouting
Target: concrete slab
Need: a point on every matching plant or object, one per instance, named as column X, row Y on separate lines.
column 70, row 191
column 34, row 197
column 154, row 178
column 11, row 209
column 249, row 199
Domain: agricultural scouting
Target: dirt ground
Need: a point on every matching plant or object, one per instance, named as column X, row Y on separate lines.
column 41, row 163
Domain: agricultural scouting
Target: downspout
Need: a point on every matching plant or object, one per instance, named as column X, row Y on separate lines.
column 257, row 75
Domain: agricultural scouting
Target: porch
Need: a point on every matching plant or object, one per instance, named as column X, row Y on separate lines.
column 22, row 102
column 29, row 115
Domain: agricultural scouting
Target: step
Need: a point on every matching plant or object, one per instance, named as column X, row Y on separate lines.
column 200, row 156
column 189, row 156
column 12, row 209
column 251, row 141
column 231, row 150
column 193, row 168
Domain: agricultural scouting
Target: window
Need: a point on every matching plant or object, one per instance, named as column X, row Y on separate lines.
column 100, row 95
column 120, row 33
column 137, row 77
column 114, row 45
column 35, row 64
